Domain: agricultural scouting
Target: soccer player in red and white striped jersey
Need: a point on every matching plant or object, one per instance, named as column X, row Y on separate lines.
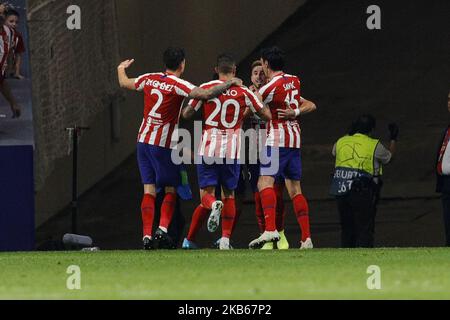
column 259, row 80
column 220, row 150
column 283, row 96
column 164, row 94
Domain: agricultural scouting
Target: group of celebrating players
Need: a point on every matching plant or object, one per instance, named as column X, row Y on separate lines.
column 273, row 104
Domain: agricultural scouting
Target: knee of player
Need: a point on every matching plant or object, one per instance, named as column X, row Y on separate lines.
column 150, row 189
column 265, row 183
column 171, row 190
column 294, row 194
column 228, row 194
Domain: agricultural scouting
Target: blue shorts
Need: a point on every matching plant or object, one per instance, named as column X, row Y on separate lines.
column 254, row 174
column 286, row 163
column 156, row 166
column 225, row 175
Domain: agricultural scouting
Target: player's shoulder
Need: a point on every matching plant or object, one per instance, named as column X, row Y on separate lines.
column 150, row 75
column 245, row 91
column 179, row 81
column 272, row 84
column 291, row 77
column 210, row 84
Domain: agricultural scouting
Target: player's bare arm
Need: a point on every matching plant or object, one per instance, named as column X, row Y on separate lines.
column 124, row 81
column 247, row 113
column 307, row 107
column 292, row 114
column 202, row 94
column 264, row 113
column 188, row 112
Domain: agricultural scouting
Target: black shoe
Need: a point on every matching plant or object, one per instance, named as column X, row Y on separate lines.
column 164, row 240
column 148, row 244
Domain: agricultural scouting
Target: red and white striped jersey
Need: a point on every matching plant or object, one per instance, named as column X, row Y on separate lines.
column 7, row 37
column 164, row 95
column 283, row 89
column 223, row 118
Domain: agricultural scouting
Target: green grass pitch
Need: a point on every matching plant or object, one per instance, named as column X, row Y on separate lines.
column 253, row 275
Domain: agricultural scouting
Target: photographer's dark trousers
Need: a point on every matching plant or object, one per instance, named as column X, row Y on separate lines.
column 357, row 212
column 446, row 206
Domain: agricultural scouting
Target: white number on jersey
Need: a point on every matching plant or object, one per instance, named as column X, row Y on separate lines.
column 237, row 109
column 290, row 99
column 154, row 112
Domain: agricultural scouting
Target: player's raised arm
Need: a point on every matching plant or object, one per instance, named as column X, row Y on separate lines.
column 124, row 81
column 202, row 94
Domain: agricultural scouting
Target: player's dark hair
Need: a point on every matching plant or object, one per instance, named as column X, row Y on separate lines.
column 173, row 57
column 275, row 57
column 225, row 63
column 12, row 12
column 365, row 124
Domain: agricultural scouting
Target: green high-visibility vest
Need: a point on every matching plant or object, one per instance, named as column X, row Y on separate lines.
column 357, row 152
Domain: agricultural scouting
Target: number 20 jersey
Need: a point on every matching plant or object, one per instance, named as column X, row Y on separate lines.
column 222, row 120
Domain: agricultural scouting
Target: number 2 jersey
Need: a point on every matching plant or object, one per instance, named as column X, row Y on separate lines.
column 164, row 94
column 283, row 89
column 222, row 120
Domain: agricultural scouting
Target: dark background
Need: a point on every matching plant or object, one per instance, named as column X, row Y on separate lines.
column 400, row 73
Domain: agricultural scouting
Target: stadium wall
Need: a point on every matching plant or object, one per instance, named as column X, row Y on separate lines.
column 204, row 28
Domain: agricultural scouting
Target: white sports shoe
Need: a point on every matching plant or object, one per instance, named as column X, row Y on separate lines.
column 307, row 245
column 224, row 244
column 265, row 238
column 214, row 218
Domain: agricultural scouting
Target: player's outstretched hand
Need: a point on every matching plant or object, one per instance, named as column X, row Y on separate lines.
column 126, row 64
column 237, row 82
column 287, row 114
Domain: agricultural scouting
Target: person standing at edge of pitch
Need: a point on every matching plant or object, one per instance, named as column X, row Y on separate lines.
column 357, row 180
column 443, row 177
column 283, row 96
column 220, row 151
column 164, row 95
